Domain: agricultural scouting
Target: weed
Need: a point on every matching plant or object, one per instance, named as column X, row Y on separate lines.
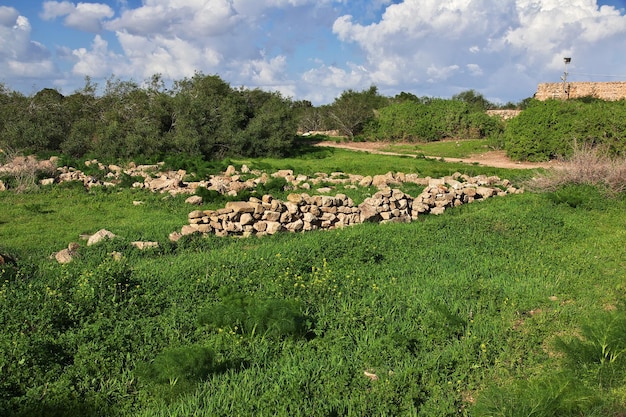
column 587, row 166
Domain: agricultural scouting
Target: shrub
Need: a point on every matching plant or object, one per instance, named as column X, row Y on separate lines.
column 550, row 129
column 588, row 165
column 251, row 316
column 432, row 120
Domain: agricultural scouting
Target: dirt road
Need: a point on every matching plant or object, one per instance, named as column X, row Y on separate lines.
column 495, row 159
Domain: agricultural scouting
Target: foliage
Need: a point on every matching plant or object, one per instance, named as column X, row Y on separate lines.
column 551, row 129
column 413, row 319
column 353, row 109
column 201, row 116
column 249, row 315
column 593, row 369
column 435, row 119
column 588, row 165
column 474, row 99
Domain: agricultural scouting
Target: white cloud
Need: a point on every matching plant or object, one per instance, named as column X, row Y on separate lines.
column 97, row 62
column 474, row 69
column 20, row 57
column 87, row 17
column 8, row 16
column 434, row 40
column 265, row 72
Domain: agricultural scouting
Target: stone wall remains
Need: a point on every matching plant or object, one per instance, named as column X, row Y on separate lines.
column 302, row 212
column 610, row 91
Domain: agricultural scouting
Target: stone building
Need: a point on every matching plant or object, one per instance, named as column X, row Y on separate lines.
column 610, row 91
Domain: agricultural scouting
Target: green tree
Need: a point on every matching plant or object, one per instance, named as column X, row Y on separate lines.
column 353, row 109
column 474, row 99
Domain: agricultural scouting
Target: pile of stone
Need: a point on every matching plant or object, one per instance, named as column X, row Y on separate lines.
column 455, row 190
column 267, row 215
column 302, row 212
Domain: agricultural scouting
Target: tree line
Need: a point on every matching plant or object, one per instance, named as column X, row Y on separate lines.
column 199, row 116
column 203, row 116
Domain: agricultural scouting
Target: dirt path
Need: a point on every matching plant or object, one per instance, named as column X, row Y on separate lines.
column 497, row 159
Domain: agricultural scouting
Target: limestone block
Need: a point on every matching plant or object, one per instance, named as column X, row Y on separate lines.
column 271, row 216
column 273, row 227
column 99, row 236
column 241, row 207
column 246, row 219
column 260, row 226
column 295, row 226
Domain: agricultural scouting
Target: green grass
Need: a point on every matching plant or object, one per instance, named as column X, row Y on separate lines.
column 479, row 311
column 445, row 149
column 312, row 159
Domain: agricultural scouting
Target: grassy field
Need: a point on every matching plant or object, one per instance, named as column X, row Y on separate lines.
column 507, row 307
column 444, row 149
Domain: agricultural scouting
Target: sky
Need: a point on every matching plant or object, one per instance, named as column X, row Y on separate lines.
column 315, row 49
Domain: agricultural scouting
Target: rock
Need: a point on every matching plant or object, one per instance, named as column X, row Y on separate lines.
column 240, row 206
column 194, row 199
column 273, row 227
column 196, row 214
column 283, row 173
column 230, row 171
column 295, row 198
column 366, row 181
column 46, row 181
column 246, row 219
column 175, row 236
column 145, row 245
column 369, row 212
column 485, row 192
column 99, row 236
column 66, row 256
column 2, row 186
column 63, row 257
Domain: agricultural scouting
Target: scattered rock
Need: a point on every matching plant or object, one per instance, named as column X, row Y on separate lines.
column 145, row 245
column 372, row 376
column 194, row 199
column 67, row 255
column 99, row 236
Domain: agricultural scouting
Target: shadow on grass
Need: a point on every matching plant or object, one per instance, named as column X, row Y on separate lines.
column 305, row 147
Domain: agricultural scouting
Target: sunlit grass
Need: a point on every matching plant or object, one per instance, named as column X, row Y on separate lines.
column 445, row 149
column 425, row 318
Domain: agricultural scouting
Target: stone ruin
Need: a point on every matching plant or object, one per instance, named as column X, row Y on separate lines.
column 303, row 212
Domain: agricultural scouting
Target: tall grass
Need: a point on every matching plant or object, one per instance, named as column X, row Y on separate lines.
column 588, row 165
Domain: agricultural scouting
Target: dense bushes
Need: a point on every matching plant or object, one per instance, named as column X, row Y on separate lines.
column 550, row 129
column 200, row 116
column 431, row 120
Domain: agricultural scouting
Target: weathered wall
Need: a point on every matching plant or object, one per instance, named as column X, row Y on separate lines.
column 504, row 114
column 603, row 90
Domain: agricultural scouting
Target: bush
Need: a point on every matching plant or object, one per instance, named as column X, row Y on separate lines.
column 588, row 165
column 431, row 120
column 551, row 129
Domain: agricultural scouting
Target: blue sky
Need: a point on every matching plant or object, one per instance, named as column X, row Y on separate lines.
column 315, row 49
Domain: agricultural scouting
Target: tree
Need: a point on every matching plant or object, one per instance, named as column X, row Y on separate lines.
column 474, row 99
column 353, row 109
